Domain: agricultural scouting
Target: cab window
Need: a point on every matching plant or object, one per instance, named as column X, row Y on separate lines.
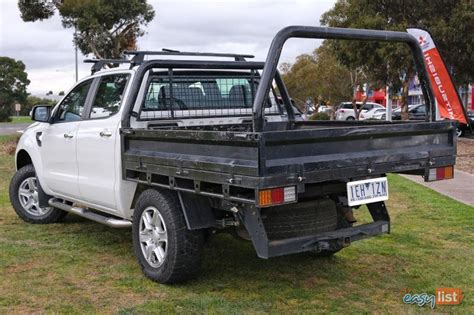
column 72, row 107
column 109, row 95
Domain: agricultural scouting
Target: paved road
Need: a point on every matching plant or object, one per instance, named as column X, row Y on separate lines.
column 461, row 188
column 10, row 129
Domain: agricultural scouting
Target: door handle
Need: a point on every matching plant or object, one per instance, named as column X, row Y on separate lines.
column 68, row 136
column 105, row 133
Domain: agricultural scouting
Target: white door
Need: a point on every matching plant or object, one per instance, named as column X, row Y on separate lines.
column 58, row 143
column 97, row 139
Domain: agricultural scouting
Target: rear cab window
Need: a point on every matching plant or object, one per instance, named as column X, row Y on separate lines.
column 200, row 95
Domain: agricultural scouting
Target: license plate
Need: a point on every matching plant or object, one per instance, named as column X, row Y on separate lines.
column 367, row 191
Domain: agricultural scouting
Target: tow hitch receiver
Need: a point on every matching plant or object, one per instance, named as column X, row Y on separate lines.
column 332, row 244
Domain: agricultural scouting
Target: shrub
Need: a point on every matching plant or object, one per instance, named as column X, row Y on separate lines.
column 319, row 116
column 5, row 113
column 9, row 147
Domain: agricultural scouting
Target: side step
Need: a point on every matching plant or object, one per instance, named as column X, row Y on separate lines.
column 112, row 222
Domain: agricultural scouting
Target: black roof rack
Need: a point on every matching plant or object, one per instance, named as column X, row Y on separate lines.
column 98, row 64
column 139, row 55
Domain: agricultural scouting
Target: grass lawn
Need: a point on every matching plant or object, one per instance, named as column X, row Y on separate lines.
column 20, row 119
column 80, row 266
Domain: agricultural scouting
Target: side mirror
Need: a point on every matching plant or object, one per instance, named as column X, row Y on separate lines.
column 41, row 113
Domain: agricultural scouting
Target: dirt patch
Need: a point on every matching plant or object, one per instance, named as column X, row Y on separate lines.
column 9, row 147
column 465, row 157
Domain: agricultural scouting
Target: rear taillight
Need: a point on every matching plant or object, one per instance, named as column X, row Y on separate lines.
column 276, row 196
column 341, row 111
column 440, row 173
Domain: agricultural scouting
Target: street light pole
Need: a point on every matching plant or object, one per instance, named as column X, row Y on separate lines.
column 75, row 51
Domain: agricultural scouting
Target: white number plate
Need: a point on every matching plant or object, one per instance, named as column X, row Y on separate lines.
column 367, row 191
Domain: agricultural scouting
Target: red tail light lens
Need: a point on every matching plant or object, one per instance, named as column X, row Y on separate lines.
column 276, row 196
column 440, row 173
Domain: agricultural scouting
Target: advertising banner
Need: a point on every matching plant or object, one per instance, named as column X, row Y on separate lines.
column 449, row 103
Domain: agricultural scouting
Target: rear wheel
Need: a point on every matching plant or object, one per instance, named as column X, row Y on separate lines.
column 165, row 249
column 459, row 132
column 24, row 191
column 350, row 118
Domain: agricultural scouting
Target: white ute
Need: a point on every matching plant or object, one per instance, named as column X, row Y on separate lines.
column 176, row 149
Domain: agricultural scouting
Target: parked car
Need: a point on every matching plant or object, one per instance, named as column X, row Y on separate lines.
column 345, row 111
column 185, row 148
column 416, row 112
column 462, row 129
column 374, row 113
column 379, row 114
column 325, row 109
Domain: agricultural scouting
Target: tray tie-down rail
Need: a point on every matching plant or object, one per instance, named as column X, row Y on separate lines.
column 250, row 216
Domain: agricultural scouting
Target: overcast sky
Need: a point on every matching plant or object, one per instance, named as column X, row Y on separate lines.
column 244, row 26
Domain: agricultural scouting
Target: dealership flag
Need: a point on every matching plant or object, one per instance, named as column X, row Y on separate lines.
column 449, row 104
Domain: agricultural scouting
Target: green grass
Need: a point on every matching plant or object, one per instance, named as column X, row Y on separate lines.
column 80, row 266
column 20, row 119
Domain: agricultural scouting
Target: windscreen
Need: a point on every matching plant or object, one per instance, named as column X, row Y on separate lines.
column 184, row 95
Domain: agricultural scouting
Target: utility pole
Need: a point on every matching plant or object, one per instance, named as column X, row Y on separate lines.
column 75, row 51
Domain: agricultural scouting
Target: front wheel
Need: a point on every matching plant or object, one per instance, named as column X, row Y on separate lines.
column 165, row 249
column 24, row 198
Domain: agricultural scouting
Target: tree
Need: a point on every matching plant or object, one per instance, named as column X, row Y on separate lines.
column 318, row 76
column 450, row 23
column 32, row 101
column 104, row 28
column 300, row 79
column 13, row 83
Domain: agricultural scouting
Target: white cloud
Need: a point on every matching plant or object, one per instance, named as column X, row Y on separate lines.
column 243, row 26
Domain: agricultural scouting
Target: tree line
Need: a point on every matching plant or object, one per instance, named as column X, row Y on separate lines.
column 347, row 65
column 329, row 75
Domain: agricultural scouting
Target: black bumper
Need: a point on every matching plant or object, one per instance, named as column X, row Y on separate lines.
column 332, row 240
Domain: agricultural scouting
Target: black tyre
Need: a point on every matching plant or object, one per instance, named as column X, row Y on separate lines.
column 350, row 118
column 459, row 132
column 166, row 250
column 24, row 198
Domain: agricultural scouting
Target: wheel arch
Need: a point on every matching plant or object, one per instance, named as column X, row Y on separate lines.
column 197, row 209
column 26, row 155
column 23, row 158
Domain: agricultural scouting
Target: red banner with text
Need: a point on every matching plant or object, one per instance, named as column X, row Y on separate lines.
column 449, row 104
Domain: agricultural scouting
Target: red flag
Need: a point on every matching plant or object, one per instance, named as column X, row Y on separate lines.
column 449, row 103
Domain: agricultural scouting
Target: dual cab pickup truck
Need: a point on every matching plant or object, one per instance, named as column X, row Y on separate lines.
column 177, row 148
